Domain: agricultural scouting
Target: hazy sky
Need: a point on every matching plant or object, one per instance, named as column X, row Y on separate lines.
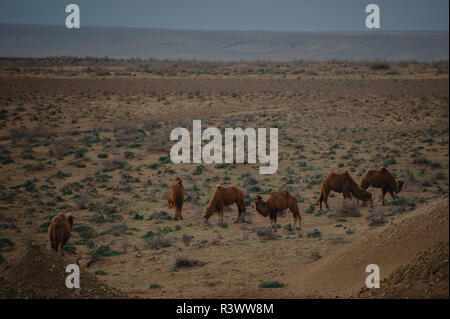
column 278, row 15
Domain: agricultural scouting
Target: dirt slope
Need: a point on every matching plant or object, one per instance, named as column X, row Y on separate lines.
column 388, row 247
column 425, row 277
column 343, row 273
column 40, row 273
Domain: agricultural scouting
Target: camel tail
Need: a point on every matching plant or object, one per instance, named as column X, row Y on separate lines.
column 70, row 220
column 321, row 198
column 53, row 243
column 55, row 240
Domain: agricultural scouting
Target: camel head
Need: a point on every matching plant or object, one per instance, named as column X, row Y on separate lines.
column 261, row 206
column 399, row 185
column 206, row 213
column 365, row 196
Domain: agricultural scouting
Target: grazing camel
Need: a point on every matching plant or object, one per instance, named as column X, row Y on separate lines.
column 383, row 179
column 342, row 183
column 176, row 197
column 224, row 196
column 59, row 231
column 277, row 202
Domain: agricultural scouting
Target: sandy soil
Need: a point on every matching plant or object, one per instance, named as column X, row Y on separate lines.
column 95, row 145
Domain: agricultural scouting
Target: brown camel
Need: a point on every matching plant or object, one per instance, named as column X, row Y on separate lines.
column 277, row 202
column 176, row 197
column 342, row 183
column 383, row 179
column 224, row 196
column 59, row 231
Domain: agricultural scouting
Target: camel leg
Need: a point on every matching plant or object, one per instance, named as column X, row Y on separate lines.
column 383, row 193
column 240, row 213
column 325, row 196
column 299, row 218
column 61, row 246
column 324, row 199
column 295, row 215
column 181, row 217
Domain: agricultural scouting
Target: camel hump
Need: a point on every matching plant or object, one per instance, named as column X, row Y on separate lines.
column 285, row 192
column 178, row 180
column 59, row 217
column 346, row 172
column 218, row 186
column 383, row 169
column 258, row 197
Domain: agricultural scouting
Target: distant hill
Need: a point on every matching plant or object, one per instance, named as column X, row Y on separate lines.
column 20, row 40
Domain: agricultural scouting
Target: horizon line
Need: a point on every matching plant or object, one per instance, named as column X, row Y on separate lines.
column 227, row 30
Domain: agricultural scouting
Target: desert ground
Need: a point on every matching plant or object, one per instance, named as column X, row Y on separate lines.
column 90, row 137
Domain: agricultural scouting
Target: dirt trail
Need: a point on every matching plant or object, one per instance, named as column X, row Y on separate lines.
column 343, row 274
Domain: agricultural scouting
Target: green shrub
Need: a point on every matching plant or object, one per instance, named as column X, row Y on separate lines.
column 221, row 165
column 390, row 161
column 164, row 160
column 77, row 164
column 254, row 189
column 155, row 286
column 6, row 160
column 310, row 209
column 6, row 243
column 223, row 224
column 165, row 230
column 314, row 234
column 149, row 234
column 271, row 284
column 321, row 212
column 70, row 248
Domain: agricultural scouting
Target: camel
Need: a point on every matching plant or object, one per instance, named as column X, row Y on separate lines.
column 59, row 231
column 224, row 196
column 176, row 197
column 277, row 202
column 383, row 179
column 342, row 183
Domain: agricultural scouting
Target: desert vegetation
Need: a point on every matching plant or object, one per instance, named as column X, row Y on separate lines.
column 90, row 137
